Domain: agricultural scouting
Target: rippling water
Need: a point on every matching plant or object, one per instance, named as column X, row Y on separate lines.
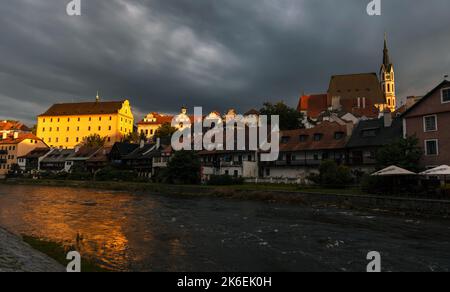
column 143, row 232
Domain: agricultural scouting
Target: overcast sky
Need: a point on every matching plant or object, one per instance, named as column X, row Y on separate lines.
column 162, row 54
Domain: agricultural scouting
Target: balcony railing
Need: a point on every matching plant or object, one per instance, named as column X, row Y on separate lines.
column 230, row 163
column 3, row 152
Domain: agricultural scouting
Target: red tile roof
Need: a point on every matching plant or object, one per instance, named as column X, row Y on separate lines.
column 22, row 136
column 12, row 125
column 290, row 140
column 314, row 104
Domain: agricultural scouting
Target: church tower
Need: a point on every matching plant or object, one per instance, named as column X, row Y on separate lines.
column 387, row 78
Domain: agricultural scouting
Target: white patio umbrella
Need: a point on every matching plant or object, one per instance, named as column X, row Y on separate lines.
column 393, row 171
column 440, row 170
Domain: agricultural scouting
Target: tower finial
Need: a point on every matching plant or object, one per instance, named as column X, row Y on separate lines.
column 97, row 98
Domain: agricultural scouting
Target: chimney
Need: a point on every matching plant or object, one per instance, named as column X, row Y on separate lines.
column 77, row 149
column 158, row 143
column 387, row 119
column 16, row 135
column 142, row 144
column 5, row 135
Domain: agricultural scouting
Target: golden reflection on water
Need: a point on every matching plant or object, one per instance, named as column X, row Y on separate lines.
column 117, row 229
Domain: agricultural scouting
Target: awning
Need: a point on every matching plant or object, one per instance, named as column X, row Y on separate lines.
column 440, row 170
column 393, row 171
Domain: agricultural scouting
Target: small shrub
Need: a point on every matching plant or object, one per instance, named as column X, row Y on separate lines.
column 224, row 180
column 332, row 176
column 113, row 174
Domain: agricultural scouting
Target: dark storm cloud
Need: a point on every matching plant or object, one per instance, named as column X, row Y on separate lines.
column 162, row 54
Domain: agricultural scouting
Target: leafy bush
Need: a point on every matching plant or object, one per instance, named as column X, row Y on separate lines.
column 114, row 174
column 224, row 180
column 183, row 168
column 332, row 176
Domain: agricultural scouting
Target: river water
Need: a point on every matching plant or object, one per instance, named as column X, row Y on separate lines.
column 146, row 232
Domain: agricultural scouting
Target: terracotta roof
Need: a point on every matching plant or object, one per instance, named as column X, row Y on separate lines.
column 290, row 140
column 160, row 119
column 84, row 108
column 12, row 125
column 21, row 138
column 357, row 85
column 314, row 104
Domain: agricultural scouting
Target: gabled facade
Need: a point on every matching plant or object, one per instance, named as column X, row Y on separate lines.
column 368, row 137
column 13, row 146
column 429, row 121
column 65, row 125
column 303, row 150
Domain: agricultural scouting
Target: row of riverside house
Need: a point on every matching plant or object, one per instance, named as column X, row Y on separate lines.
column 333, row 134
column 348, row 124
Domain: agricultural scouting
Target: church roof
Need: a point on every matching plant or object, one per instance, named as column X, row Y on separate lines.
column 83, row 108
column 357, row 85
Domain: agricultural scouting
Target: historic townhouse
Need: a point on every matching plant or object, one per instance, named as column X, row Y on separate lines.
column 148, row 126
column 31, row 162
column 429, row 121
column 368, row 137
column 303, row 150
column 65, row 125
column 15, row 145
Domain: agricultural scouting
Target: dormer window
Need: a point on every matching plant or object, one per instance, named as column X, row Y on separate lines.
column 318, row 137
column 445, row 95
column 369, row 133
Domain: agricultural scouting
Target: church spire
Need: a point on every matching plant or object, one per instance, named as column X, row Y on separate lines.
column 386, row 59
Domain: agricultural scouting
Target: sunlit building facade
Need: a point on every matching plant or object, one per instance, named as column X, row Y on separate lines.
column 66, row 125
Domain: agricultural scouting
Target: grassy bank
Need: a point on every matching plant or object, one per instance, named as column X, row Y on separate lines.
column 58, row 253
column 262, row 192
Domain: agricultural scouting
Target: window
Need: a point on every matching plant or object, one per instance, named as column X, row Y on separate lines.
column 284, row 140
column 339, row 135
column 430, row 123
column 303, row 138
column 445, row 95
column 369, row 133
column 431, row 147
column 318, row 137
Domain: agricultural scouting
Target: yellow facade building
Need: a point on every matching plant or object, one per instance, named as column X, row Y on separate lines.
column 65, row 125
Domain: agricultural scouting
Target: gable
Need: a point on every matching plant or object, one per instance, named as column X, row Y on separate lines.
column 430, row 103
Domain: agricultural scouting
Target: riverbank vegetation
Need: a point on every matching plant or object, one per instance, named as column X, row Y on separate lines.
column 58, row 252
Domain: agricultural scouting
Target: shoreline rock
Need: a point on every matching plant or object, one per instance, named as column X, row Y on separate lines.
column 17, row 256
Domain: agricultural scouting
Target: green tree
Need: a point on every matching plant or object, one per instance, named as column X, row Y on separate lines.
column 290, row 118
column 34, row 130
column 332, row 175
column 132, row 137
column 183, row 168
column 404, row 153
column 94, row 140
column 165, row 131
